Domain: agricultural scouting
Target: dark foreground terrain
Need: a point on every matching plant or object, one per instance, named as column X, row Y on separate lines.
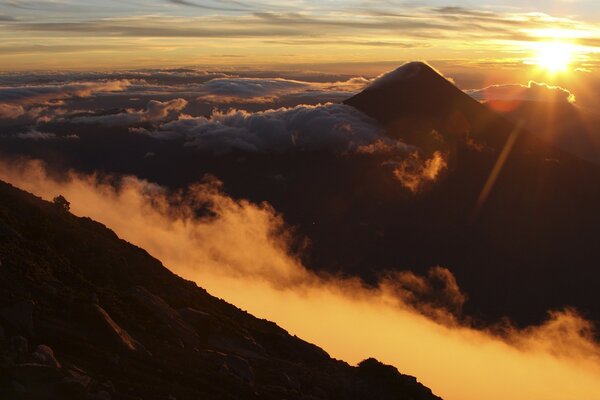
column 86, row 315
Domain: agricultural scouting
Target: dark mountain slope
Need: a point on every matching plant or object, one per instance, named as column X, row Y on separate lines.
column 563, row 125
column 415, row 99
column 119, row 325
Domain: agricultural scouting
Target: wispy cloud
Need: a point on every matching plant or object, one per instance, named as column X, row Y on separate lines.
column 183, row 27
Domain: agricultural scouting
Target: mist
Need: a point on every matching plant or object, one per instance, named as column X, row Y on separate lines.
column 240, row 253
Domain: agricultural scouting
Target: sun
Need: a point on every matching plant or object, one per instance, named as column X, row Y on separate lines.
column 554, row 56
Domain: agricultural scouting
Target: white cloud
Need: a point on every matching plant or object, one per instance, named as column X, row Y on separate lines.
column 533, row 91
column 155, row 111
column 331, row 126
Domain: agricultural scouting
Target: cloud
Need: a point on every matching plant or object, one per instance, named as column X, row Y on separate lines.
column 414, row 173
column 533, row 91
column 435, row 295
column 34, row 134
column 270, row 90
column 239, row 20
column 240, row 253
column 213, row 5
column 30, row 102
column 155, row 111
column 11, row 111
column 333, row 127
column 41, row 94
column 260, row 90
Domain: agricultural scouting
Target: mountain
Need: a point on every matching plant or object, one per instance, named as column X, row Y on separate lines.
column 415, row 99
column 86, row 315
column 529, row 244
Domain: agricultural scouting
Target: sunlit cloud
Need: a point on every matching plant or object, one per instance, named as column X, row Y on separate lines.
column 533, row 91
column 240, row 253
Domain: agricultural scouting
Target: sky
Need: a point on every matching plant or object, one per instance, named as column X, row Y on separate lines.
column 267, row 76
column 352, row 35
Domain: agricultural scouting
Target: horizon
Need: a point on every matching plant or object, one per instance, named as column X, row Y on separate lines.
column 303, row 165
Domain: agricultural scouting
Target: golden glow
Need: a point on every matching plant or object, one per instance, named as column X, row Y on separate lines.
column 238, row 256
column 555, row 56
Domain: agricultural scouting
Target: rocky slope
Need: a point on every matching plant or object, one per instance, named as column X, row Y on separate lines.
column 85, row 315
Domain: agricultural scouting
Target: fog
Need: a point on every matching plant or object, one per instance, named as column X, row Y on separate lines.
column 240, row 253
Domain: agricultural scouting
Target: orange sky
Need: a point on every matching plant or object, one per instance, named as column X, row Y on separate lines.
column 69, row 34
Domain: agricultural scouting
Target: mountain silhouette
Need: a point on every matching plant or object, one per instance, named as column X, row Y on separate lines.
column 415, row 99
column 86, row 315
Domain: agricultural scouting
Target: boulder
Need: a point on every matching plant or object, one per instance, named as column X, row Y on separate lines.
column 18, row 317
column 19, row 345
column 76, row 384
column 45, row 355
column 32, row 374
column 196, row 318
column 166, row 315
column 100, row 395
column 120, row 335
column 238, row 367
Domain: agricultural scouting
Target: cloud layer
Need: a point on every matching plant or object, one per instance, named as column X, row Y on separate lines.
column 305, row 128
column 240, row 253
column 155, row 111
column 533, row 91
column 31, row 101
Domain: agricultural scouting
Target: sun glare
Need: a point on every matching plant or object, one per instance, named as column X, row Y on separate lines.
column 554, row 56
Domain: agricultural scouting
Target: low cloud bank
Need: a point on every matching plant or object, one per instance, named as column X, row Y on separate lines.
column 322, row 127
column 533, row 91
column 270, row 90
column 31, row 101
column 155, row 111
column 240, row 253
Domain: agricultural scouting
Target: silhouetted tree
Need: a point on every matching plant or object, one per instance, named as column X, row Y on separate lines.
column 61, row 202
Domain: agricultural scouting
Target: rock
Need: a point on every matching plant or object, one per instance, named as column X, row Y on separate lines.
column 19, row 345
column 238, row 367
column 200, row 320
column 290, row 382
column 120, row 335
column 235, row 342
column 6, row 361
column 75, row 386
column 45, row 355
column 19, row 317
column 100, row 395
column 31, row 374
column 166, row 315
column 108, row 387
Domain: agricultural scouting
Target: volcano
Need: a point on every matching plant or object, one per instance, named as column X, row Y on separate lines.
column 415, row 99
column 531, row 242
